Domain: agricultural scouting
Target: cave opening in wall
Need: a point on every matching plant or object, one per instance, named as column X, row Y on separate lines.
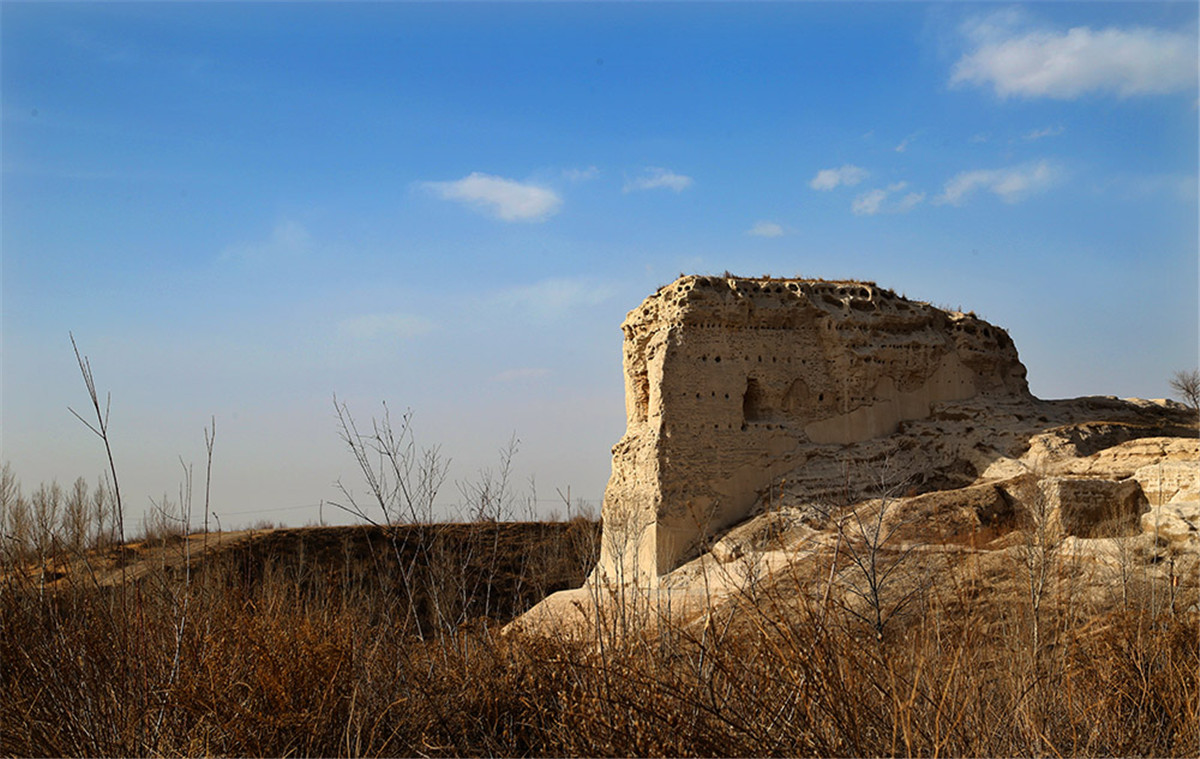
column 753, row 402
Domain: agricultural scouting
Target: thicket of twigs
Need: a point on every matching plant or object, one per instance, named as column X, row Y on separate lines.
column 319, row 655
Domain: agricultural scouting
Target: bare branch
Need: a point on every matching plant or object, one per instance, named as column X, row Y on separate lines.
column 1187, row 385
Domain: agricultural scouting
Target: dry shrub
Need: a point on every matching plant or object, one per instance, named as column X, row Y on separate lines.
column 311, row 649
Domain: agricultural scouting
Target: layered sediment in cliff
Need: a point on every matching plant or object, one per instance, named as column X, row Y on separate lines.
column 732, row 383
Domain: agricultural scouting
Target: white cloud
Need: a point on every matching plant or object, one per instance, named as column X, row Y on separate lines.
column 868, row 203
column 1010, row 185
column 655, row 178
column 1037, row 134
column 908, row 202
column 504, row 199
column 288, row 239
column 1066, row 65
column 979, row 138
column 848, row 175
column 581, row 175
column 524, row 373
column 765, row 229
column 903, row 146
column 875, row 201
column 553, row 297
column 372, row 326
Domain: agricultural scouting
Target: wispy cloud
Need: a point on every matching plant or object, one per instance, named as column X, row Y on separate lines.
column 765, row 229
column 980, row 138
column 868, row 203
column 1050, row 131
column 903, row 146
column 907, row 203
column 500, row 198
column 656, row 178
column 553, row 297
column 581, row 175
column 287, row 240
column 848, row 176
column 877, row 201
column 393, row 325
column 1011, row 185
column 1018, row 61
column 523, row 373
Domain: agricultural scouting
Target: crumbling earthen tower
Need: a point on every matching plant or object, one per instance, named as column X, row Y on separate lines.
column 727, row 380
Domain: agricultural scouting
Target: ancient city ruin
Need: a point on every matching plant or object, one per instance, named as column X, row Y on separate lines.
column 729, row 383
column 762, row 413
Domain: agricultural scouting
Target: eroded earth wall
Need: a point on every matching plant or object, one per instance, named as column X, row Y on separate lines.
column 730, row 383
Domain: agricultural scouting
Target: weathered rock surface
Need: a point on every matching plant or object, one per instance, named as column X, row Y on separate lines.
column 774, row 405
column 730, row 384
column 1094, row 508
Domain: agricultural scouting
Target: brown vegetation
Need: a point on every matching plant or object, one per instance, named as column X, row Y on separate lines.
column 384, row 641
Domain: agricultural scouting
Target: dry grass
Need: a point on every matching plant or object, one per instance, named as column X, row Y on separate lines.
column 383, row 641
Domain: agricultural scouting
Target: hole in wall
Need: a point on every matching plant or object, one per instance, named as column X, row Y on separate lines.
column 753, row 401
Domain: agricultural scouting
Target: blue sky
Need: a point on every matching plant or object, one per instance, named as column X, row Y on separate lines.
column 240, row 210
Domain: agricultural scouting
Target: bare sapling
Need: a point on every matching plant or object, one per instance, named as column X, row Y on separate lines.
column 868, row 536
column 489, row 500
column 1038, row 562
column 403, row 480
column 1039, row 553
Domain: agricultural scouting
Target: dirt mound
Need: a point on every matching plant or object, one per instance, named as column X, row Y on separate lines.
column 446, row 571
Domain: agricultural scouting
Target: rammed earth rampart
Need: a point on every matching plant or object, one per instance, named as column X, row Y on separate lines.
column 729, row 380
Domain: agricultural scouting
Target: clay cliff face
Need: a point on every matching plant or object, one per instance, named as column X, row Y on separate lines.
column 732, row 385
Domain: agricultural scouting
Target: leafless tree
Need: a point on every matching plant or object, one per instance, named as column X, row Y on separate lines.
column 869, row 538
column 403, row 478
column 1038, row 552
column 490, row 498
column 1186, row 384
